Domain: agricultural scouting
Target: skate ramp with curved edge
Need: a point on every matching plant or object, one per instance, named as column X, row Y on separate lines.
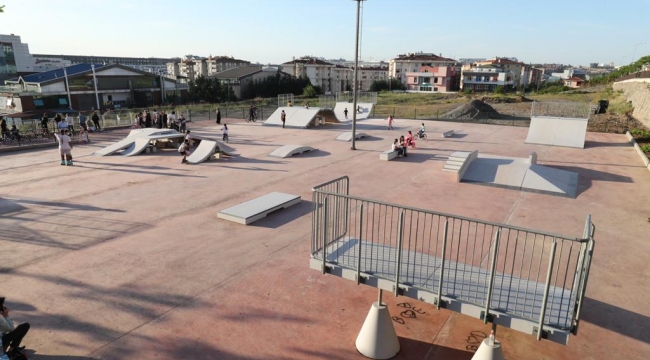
column 149, row 134
column 296, row 117
column 347, row 136
column 290, row 150
column 339, row 111
column 204, row 151
column 138, row 146
column 557, row 131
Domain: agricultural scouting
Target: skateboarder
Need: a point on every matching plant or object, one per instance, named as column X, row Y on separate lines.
column 283, row 117
column 184, row 150
column 65, row 147
column 346, row 113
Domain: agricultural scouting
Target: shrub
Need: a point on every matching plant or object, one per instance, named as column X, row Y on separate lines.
column 310, row 91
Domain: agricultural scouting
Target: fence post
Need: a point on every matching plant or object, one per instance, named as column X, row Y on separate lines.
column 542, row 312
column 189, row 114
column 360, row 235
column 416, row 113
column 400, row 234
column 493, row 266
column 442, row 265
column 324, row 268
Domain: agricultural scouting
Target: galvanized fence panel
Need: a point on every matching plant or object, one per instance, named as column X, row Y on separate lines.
column 525, row 273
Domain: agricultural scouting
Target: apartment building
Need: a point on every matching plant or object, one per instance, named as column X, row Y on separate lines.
column 329, row 77
column 413, row 62
column 433, row 79
column 368, row 74
column 486, row 77
column 15, row 58
column 192, row 66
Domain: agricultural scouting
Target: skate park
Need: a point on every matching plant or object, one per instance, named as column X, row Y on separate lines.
column 137, row 255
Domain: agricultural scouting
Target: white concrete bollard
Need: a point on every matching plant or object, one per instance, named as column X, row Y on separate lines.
column 377, row 338
column 489, row 352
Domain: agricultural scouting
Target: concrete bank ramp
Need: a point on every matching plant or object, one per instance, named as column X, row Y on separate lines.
column 557, row 131
column 347, row 136
column 115, row 147
column 339, row 111
column 207, row 148
column 296, row 117
column 148, row 134
column 520, row 174
column 290, row 150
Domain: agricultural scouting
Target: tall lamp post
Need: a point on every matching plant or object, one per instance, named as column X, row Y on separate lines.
column 634, row 53
column 355, row 91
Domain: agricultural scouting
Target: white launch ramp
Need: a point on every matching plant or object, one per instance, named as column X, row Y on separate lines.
column 557, row 131
column 138, row 146
column 296, row 117
column 290, row 150
column 138, row 141
column 339, row 111
column 206, row 149
column 253, row 210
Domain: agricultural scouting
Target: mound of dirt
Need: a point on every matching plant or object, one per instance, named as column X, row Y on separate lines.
column 475, row 109
column 613, row 123
column 505, row 100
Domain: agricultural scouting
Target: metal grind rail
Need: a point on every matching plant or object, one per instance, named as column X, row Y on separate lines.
column 527, row 280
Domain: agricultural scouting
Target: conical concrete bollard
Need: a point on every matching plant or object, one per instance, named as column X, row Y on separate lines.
column 489, row 352
column 377, row 338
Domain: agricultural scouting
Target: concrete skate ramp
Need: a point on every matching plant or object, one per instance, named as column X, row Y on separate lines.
column 138, row 146
column 519, row 174
column 347, row 136
column 151, row 132
column 253, row 210
column 290, row 150
column 115, row 147
column 203, row 152
column 557, row 131
column 296, row 117
column 339, row 108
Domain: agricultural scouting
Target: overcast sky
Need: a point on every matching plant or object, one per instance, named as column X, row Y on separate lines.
column 573, row 32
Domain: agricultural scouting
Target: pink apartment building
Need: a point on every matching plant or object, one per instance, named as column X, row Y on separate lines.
column 434, row 79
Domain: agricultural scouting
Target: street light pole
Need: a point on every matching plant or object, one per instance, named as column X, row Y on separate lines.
column 634, row 53
column 356, row 73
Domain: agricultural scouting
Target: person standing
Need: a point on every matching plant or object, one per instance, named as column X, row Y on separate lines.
column 95, row 119
column 70, row 120
column 82, row 121
column 283, row 117
column 147, row 119
column 172, row 120
column 164, row 120
column 218, row 116
column 65, row 147
column 57, row 120
column 12, row 335
column 44, row 122
column 225, row 132
column 346, row 113
column 184, row 150
column 390, row 122
column 183, row 123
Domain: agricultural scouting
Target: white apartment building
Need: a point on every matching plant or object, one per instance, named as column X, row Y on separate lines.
column 329, row 77
column 371, row 73
column 413, row 62
column 193, row 66
column 486, row 77
column 14, row 57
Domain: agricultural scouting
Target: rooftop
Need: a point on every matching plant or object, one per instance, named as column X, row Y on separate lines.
column 309, row 61
column 238, row 72
column 58, row 73
column 424, row 57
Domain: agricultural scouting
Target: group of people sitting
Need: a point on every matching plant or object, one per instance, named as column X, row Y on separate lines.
column 7, row 133
column 404, row 142
column 11, row 335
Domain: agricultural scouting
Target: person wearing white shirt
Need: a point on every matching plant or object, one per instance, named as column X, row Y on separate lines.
column 70, row 121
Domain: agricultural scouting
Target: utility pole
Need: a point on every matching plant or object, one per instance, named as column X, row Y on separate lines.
column 355, row 92
column 634, row 53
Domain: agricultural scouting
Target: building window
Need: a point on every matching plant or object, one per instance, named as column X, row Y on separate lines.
column 435, row 80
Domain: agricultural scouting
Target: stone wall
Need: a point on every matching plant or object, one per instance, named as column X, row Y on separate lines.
column 638, row 93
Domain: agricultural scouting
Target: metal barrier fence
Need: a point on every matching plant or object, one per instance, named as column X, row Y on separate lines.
column 576, row 110
column 534, row 277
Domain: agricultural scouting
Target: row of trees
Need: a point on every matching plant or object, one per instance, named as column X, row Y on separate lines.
column 210, row 90
column 272, row 86
column 622, row 71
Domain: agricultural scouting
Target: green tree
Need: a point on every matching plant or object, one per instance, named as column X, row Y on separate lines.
column 383, row 85
column 310, row 91
column 210, row 90
column 271, row 86
column 499, row 89
column 2, row 9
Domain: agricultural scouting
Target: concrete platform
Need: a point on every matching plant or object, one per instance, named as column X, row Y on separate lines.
column 347, row 136
column 258, row 208
column 519, row 174
column 104, row 269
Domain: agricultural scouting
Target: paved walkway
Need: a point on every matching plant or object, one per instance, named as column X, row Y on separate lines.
column 124, row 257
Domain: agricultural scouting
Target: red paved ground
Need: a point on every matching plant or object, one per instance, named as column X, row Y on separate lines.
column 121, row 257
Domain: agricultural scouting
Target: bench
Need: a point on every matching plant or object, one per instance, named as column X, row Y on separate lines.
column 447, row 134
column 258, row 208
column 388, row 155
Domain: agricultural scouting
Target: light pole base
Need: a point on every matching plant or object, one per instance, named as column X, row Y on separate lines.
column 377, row 338
column 489, row 352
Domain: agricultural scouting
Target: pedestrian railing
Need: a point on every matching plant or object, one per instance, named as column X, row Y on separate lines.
column 528, row 280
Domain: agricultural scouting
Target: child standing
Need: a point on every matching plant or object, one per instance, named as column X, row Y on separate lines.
column 65, row 147
column 390, row 122
column 225, row 132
